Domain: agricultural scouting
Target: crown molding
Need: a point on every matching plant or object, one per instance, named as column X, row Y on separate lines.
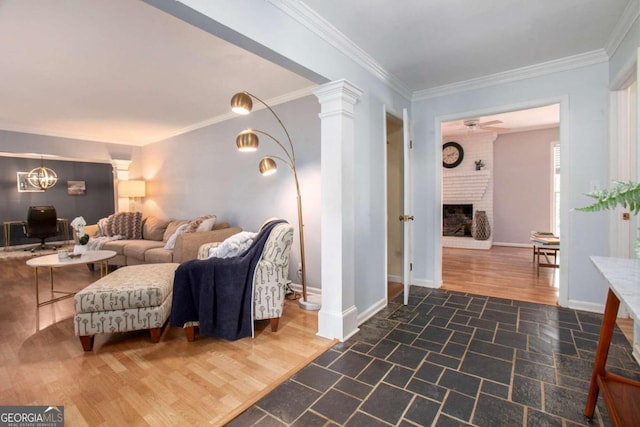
column 554, row 66
column 308, row 18
column 291, row 96
column 627, row 19
column 287, row 97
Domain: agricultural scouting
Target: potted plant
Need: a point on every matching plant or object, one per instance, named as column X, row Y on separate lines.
column 479, row 164
column 78, row 224
column 625, row 194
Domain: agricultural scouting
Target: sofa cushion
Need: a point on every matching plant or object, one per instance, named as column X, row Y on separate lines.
column 137, row 248
column 195, row 223
column 171, row 228
column 158, row 255
column 153, row 228
column 116, row 245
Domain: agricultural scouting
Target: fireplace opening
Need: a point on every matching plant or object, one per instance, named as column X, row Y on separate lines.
column 456, row 220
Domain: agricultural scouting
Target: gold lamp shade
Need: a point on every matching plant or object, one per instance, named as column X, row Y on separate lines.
column 241, row 103
column 247, row 140
column 267, row 166
column 42, row 178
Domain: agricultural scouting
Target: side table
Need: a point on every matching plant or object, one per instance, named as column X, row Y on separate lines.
column 621, row 395
column 52, row 261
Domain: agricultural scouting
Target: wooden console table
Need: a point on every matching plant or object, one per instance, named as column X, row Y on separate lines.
column 621, row 395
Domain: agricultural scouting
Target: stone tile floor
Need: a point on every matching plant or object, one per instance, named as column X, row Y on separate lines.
column 451, row 359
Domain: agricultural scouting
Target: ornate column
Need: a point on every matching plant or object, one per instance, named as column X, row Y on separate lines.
column 338, row 317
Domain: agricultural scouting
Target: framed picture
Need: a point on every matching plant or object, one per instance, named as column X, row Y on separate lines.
column 76, row 188
column 24, row 186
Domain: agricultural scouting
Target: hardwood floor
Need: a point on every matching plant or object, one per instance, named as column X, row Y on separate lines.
column 126, row 379
column 505, row 272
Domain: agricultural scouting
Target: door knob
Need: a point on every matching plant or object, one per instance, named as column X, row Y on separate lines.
column 406, row 218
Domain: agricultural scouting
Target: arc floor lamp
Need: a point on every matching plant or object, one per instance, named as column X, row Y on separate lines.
column 247, row 141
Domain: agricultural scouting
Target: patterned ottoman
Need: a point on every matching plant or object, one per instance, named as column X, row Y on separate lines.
column 129, row 299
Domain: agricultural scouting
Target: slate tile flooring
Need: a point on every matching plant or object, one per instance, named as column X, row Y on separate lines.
column 451, row 359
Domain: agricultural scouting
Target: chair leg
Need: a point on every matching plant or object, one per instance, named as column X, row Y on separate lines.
column 87, row 342
column 155, row 334
column 190, row 333
column 274, row 324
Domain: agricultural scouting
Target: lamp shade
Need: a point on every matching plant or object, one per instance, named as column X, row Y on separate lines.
column 131, row 189
column 241, row 103
column 267, row 166
column 247, row 141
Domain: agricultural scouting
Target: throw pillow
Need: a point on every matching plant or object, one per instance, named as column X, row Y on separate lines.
column 126, row 224
column 171, row 242
column 233, row 246
column 194, row 224
column 207, row 224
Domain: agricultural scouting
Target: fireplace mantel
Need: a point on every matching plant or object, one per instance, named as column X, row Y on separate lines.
column 465, row 186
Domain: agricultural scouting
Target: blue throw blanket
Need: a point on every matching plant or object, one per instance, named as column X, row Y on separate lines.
column 218, row 292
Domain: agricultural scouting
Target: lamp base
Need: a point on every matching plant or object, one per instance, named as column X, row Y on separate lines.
column 309, row 304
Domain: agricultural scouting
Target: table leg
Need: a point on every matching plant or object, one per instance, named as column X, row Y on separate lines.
column 7, row 236
column 51, row 278
column 604, row 342
column 37, row 293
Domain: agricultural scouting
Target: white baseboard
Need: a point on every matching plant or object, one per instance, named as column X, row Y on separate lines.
column 297, row 287
column 586, row 306
column 371, row 311
column 513, row 245
column 394, row 278
column 426, row 283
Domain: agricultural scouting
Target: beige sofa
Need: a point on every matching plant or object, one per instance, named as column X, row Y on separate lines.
column 155, row 234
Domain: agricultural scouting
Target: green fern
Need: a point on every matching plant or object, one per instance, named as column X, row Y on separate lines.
column 625, row 194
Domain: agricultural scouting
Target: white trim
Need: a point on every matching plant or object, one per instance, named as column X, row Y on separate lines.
column 296, row 287
column 624, row 24
column 371, row 311
column 394, row 278
column 315, row 23
column 536, row 70
column 586, row 306
column 424, row 283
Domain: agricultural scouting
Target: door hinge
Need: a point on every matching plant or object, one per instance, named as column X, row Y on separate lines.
column 410, row 266
column 410, row 144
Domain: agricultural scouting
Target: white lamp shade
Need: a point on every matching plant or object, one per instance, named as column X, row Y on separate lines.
column 131, row 189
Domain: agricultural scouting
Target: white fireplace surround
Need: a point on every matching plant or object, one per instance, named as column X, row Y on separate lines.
column 466, row 185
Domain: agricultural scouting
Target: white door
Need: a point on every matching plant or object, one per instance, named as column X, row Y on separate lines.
column 407, row 217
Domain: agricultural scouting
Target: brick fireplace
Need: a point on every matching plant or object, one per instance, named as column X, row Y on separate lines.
column 465, row 186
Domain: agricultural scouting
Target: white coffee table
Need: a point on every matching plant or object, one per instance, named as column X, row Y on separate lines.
column 52, row 261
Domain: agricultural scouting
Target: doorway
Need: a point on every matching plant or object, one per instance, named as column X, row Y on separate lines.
column 395, row 206
column 519, row 156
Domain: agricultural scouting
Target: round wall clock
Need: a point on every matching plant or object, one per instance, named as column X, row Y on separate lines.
column 452, row 154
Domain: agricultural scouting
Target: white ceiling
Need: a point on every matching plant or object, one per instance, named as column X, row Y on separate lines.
column 122, row 71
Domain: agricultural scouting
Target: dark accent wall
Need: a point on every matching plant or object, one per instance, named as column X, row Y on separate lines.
column 96, row 203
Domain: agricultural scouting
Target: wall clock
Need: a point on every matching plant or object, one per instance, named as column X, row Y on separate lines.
column 452, row 154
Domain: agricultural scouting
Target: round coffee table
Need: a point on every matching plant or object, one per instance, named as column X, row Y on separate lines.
column 53, row 261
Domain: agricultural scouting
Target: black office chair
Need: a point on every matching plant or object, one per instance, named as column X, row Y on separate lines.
column 42, row 222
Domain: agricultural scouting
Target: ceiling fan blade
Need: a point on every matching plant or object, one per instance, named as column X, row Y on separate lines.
column 492, row 122
column 497, row 129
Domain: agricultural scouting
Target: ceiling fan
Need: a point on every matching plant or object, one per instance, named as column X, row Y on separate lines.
column 473, row 124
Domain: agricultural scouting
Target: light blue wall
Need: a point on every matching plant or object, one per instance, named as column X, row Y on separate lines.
column 583, row 95
column 201, row 172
